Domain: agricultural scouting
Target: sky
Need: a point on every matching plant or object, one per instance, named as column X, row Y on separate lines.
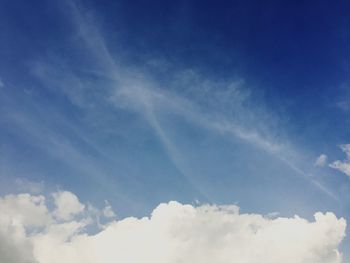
column 119, row 119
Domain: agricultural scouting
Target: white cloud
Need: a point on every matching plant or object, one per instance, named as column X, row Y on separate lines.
column 15, row 247
column 19, row 213
column 108, row 211
column 321, row 160
column 24, row 210
column 343, row 166
column 173, row 233
column 67, row 205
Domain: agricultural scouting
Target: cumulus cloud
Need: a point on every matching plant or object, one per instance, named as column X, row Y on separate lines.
column 67, row 205
column 321, row 160
column 173, row 233
column 24, row 210
column 108, row 210
column 343, row 166
column 19, row 213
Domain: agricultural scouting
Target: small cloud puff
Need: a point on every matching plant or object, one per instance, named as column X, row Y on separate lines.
column 67, row 205
column 108, row 211
column 343, row 166
column 173, row 233
column 321, row 160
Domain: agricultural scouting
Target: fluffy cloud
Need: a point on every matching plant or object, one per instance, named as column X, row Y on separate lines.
column 343, row 166
column 24, row 210
column 67, row 205
column 108, row 211
column 321, row 160
column 18, row 214
column 173, row 233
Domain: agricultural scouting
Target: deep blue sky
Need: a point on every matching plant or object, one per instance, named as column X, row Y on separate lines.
column 141, row 102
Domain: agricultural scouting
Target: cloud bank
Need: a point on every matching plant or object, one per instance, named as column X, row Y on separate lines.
column 34, row 230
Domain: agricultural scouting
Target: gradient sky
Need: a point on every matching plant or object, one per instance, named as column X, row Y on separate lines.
column 143, row 102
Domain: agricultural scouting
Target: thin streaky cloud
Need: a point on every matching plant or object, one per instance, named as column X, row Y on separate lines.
column 138, row 93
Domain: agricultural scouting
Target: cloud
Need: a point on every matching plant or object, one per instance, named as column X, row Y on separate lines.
column 223, row 106
column 24, row 210
column 108, row 211
column 173, row 233
column 67, row 205
column 343, row 166
column 15, row 247
column 18, row 214
column 134, row 89
column 321, row 160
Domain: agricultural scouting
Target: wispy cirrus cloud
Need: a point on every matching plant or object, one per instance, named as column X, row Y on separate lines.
column 223, row 107
column 133, row 89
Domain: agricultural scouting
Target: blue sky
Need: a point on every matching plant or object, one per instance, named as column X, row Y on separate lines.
column 144, row 102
